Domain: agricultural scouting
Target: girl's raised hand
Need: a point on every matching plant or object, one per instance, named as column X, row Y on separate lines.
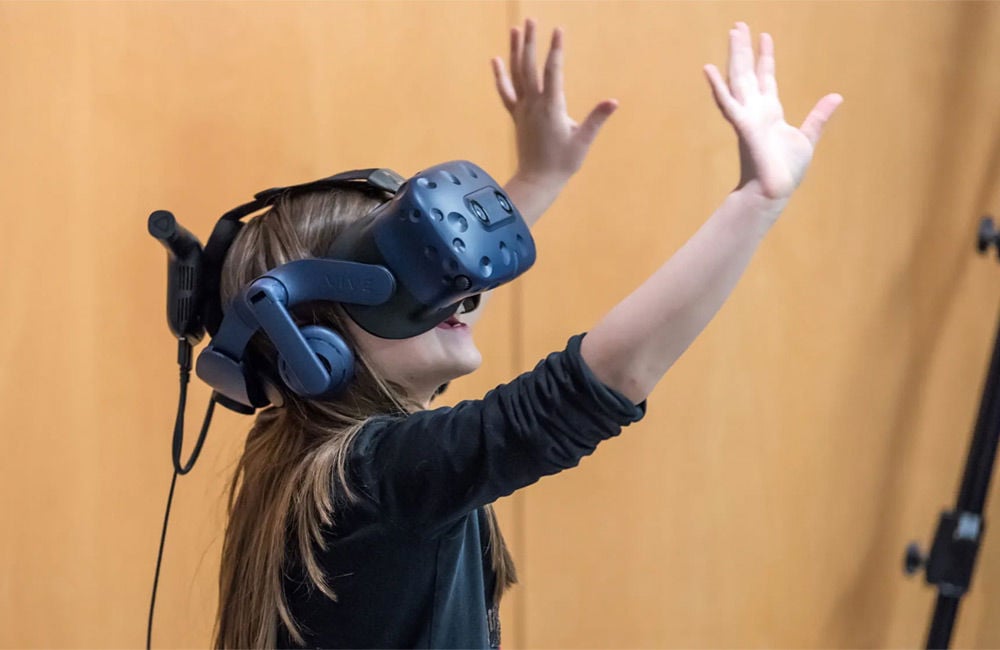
column 774, row 155
column 551, row 146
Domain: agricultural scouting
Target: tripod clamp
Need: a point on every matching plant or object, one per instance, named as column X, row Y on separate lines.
column 949, row 564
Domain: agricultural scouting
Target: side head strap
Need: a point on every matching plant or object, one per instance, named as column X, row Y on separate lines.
column 230, row 224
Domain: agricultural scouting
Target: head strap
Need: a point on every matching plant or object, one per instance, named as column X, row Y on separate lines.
column 230, row 224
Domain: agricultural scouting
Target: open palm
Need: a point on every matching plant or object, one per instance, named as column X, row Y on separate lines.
column 550, row 143
column 773, row 154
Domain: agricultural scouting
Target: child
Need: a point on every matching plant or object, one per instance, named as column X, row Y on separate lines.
column 365, row 521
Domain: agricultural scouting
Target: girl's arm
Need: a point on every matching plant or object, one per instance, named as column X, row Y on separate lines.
column 634, row 345
column 551, row 146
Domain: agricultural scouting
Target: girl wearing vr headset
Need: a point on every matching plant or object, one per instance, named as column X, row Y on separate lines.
column 365, row 520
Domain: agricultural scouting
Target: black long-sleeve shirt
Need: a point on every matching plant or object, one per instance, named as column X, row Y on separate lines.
column 409, row 561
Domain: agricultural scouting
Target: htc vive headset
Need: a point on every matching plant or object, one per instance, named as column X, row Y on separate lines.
column 445, row 235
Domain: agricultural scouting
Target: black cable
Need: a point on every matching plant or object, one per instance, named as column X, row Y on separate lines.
column 184, row 360
column 159, row 558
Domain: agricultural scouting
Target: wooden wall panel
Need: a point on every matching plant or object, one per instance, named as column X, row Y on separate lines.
column 822, row 420
column 818, row 425
column 112, row 110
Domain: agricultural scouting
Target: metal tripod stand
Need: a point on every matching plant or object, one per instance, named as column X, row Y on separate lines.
column 950, row 563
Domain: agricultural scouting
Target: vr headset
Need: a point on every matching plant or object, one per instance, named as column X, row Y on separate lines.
column 446, row 235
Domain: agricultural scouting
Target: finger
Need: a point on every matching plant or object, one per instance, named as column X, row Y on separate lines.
column 598, row 116
column 553, row 67
column 723, row 98
column 812, row 127
column 765, row 66
column 504, row 86
column 529, row 67
column 516, row 51
column 742, row 79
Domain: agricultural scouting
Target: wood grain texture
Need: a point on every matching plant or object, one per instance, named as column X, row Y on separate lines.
column 110, row 111
column 818, row 425
column 821, row 420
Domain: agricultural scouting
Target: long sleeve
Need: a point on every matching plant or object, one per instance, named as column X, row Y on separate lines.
column 426, row 469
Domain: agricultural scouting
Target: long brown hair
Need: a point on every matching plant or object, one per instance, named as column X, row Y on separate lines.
column 280, row 494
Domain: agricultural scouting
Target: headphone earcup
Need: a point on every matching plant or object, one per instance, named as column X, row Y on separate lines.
column 333, row 353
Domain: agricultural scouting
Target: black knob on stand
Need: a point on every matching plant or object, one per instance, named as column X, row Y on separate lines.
column 914, row 560
column 988, row 235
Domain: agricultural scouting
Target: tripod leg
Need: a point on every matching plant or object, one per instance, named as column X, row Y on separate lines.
column 945, row 612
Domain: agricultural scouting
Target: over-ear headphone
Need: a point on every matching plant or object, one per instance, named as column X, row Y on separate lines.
column 446, row 235
column 313, row 361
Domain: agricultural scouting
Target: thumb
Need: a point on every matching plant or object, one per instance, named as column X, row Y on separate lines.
column 598, row 116
column 818, row 116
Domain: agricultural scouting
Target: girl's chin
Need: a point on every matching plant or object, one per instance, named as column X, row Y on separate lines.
column 467, row 360
column 458, row 340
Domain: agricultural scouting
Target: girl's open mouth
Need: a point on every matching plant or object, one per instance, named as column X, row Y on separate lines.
column 452, row 323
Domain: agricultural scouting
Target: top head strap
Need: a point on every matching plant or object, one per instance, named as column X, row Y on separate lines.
column 383, row 179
